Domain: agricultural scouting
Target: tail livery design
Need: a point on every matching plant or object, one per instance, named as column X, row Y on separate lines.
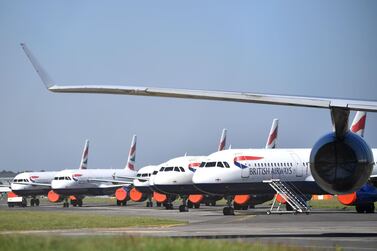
column 358, row 123
column 222, row 140
column 84, row 158
column 272, row 137
column 132, row 155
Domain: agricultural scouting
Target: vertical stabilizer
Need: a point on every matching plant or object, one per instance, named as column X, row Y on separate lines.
column 84, row 157
column 358, row 123
column 272, row 137
column 222, row 140
column 132, row 155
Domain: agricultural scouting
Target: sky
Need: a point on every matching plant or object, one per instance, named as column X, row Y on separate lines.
column 311, row 48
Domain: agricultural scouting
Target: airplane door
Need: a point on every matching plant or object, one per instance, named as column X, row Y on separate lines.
column 245, row 173
column 296, row 164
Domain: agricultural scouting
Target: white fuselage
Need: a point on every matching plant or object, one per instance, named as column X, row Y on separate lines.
column 30, row 183
column 83, row 182
column 248, row 168
column 144, row 174
column 175, row 175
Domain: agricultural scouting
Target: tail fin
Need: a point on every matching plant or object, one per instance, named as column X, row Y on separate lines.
column 222, row 142
column 84, row 157
column 132, row 155
column 358, row 123
column 272, row 137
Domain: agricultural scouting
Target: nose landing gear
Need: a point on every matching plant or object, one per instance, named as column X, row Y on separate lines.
column 228, row 210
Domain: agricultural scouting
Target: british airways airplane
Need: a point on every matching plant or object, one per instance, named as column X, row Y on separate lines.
column 34, row 184
column 80, row 183
column 340, row 162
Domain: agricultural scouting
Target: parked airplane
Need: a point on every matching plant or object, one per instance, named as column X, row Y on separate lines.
column 34, row 184
column 340, row 162
column 80, row 183
column 250, row 169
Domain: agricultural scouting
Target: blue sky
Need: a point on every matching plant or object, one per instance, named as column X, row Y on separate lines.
column 316, row 48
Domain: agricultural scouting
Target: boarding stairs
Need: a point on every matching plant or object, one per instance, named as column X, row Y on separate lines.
column 290, row 194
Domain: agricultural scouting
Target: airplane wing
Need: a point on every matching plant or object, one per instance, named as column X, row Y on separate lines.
column 5, row 189
column 246, row 97
column 121, row 182
column 33, row 184
column 132, row 177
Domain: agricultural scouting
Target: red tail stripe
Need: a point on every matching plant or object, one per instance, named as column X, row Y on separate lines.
column 360, row 125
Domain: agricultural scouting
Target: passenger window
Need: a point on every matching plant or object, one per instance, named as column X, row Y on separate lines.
column 182, row 170
column 168, row 169
column 202, row 164
column 61, row 178
column 220, row 164
column 176, row 169
column 226, row 165
column 55, row 178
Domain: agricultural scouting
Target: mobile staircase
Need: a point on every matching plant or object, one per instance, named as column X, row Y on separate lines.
column 290, row 194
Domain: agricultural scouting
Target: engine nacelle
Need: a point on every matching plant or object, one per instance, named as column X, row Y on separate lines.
column 341, row 166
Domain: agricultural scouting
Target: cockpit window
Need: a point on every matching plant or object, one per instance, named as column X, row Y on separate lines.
column 61, row 178
column 162, row 169
column 56, row 178
column 155, row 172
column 138, row 175
column 210, row 164
column 202, row 164
column 144, row 175
column 220, row 164
column 182, row 170
column 176, row 169
column 226, row 165
column 168, row 169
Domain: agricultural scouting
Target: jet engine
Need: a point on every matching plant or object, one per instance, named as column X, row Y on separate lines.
column 341, row 165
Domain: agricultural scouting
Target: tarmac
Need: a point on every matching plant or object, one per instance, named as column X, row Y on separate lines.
column 321, row 229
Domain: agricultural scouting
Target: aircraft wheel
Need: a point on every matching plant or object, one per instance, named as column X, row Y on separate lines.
column 119, row 203
column 183, row 208
column 359, row 208
column 213, row 203
column 197, row 205
column 79, row 203
column 228, row 211
column 190, row 204
column 245, row 207
column 169, row 206
column 74, row 203
column 288, row 207
column 124, row 203
column 158, row 204
column 207, row 203
column 37, row 202
column 32, row 202
column 237, row 206
column 369, row 208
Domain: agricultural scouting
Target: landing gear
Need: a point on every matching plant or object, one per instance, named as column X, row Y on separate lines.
column 79, row 202
column 228, row 210
column 190, row 204
column 197, row 205
column 149, row 202
column 288, row 207
column 365, row 208
column 158, row 204
column 119, row 203
column 213, row 203
column 66, row 203
column 34, row 202
column 168, row 206
column 124, row 203
column 184, row 207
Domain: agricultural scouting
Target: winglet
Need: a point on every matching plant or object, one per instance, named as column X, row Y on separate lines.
column 84, row 158
column 358, row 124
column 272, row 137
column 132, row 155
column 38, row 68
column 222, row 142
